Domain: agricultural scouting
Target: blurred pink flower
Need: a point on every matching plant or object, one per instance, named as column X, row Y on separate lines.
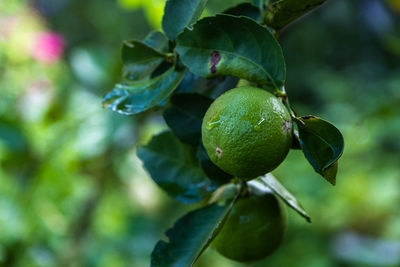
column 48, row 47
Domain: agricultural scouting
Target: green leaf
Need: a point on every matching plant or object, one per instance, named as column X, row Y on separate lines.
column 235, row 46
column 330, row 173
column 271, row 182
column 157, row 40
column 322, row 144
column 209, row 87
column 212, row 170
column 180, row 13
column 245, row 9
column 174, row 167
column 220, row 85
column 136, row 97
column 185, row 116
column 217, row 6
column 139, row 59
column 191, row 235
column 192, row 83
column 281, row 12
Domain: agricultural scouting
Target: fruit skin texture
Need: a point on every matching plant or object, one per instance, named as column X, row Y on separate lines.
column 247, row 132
column 254, row 229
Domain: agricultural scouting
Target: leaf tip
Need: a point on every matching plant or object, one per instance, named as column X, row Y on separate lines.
column 330, row 173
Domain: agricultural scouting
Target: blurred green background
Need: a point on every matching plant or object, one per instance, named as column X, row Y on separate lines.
column 73, row 193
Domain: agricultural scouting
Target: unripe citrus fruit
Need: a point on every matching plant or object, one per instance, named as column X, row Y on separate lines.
column 247, row 132
column 254, row 229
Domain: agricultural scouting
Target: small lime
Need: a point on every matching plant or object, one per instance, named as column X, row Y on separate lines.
column 247, row 132
column 254, row 228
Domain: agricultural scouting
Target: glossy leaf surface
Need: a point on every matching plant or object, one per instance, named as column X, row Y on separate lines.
column 235, row 46
column 322, row 144
column 180, row 13
column 174, row 167
column 139, row 59
column 136, row 97
column 191, row 235
column 270, row 181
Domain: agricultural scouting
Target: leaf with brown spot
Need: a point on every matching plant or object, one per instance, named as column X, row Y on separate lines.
column 215, row 58
column 226, row 45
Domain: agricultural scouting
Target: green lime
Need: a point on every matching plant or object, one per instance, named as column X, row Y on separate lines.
column 247, row 132
column 254, row 229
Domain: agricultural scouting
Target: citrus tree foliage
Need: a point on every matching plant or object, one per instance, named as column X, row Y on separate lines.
column 181, row 71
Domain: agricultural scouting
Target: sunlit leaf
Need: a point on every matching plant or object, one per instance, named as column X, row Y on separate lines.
column 281, row 12
column 136, row 97
column 322, row 144
column 276, row 187
column 191, row 235
column 180, row 13
column 174, row 167
column 235, row 46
